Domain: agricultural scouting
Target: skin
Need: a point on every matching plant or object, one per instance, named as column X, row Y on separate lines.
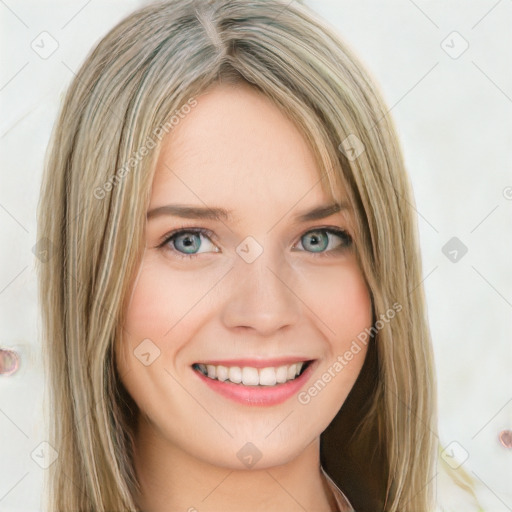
column 236, row 150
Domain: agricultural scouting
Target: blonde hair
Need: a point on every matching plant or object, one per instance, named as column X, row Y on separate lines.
column 94, row 198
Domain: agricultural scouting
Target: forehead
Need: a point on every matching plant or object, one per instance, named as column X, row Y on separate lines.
column 236, row 149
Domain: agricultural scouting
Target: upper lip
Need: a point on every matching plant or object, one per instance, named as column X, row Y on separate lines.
column 256, row 363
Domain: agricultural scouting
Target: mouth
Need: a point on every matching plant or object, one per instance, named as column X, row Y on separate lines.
column 251, row 376
column 261, row 384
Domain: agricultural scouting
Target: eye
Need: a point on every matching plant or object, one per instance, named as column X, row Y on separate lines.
column 320, row 241
column 188, row 241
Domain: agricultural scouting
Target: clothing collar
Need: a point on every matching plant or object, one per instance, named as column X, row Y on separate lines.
column 341, row 500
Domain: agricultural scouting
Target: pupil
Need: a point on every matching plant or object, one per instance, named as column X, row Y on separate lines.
column 315, row 241
column 188, row 241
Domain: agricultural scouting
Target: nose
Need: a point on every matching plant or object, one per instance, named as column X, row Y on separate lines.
column 261, row 295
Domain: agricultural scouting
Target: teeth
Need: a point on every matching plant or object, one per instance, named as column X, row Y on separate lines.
column 235, row 374
column 268, row 377
column 222, row 373
column 282, row 374
column 252, row 376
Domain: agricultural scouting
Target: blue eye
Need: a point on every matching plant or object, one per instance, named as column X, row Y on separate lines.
column 184, row 243
column 320, row 239
column 187, row 241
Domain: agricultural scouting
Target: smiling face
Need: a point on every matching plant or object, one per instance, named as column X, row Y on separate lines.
column 260, row 290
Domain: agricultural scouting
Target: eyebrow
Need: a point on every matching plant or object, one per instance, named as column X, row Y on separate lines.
column 220, row 214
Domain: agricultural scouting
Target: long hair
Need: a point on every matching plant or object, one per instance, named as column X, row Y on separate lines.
column 132, row 88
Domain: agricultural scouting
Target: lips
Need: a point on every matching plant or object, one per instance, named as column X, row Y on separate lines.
column 260, row 390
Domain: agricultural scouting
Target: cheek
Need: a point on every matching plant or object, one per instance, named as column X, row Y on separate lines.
column 155, row 312
column 161, row 301
column 162, row 316
column 345, row 308
column 343, row 304
column 148, row 316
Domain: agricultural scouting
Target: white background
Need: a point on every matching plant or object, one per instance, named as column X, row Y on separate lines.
column 453, row 116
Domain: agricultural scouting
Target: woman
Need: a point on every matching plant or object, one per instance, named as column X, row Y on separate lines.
column 271, row 351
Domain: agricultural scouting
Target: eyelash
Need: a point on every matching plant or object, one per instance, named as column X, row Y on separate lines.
column 342, row 234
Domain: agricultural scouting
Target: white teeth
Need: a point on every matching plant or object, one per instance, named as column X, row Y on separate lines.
column 222, row 373
column 211, row 371
column 268, row 377
column 249, row 376
column 235, row 374
column 282, row 374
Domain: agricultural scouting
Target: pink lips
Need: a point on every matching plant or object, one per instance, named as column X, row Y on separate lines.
column 258, row 395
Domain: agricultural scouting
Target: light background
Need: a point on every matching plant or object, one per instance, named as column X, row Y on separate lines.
column 453, row 114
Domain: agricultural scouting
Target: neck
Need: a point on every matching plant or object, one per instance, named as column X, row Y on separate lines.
column 172, row 479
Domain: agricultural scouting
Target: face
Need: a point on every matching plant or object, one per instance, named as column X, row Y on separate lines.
column 258, row 293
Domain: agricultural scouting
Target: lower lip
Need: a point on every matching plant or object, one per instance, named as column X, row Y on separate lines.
column 258, row 395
